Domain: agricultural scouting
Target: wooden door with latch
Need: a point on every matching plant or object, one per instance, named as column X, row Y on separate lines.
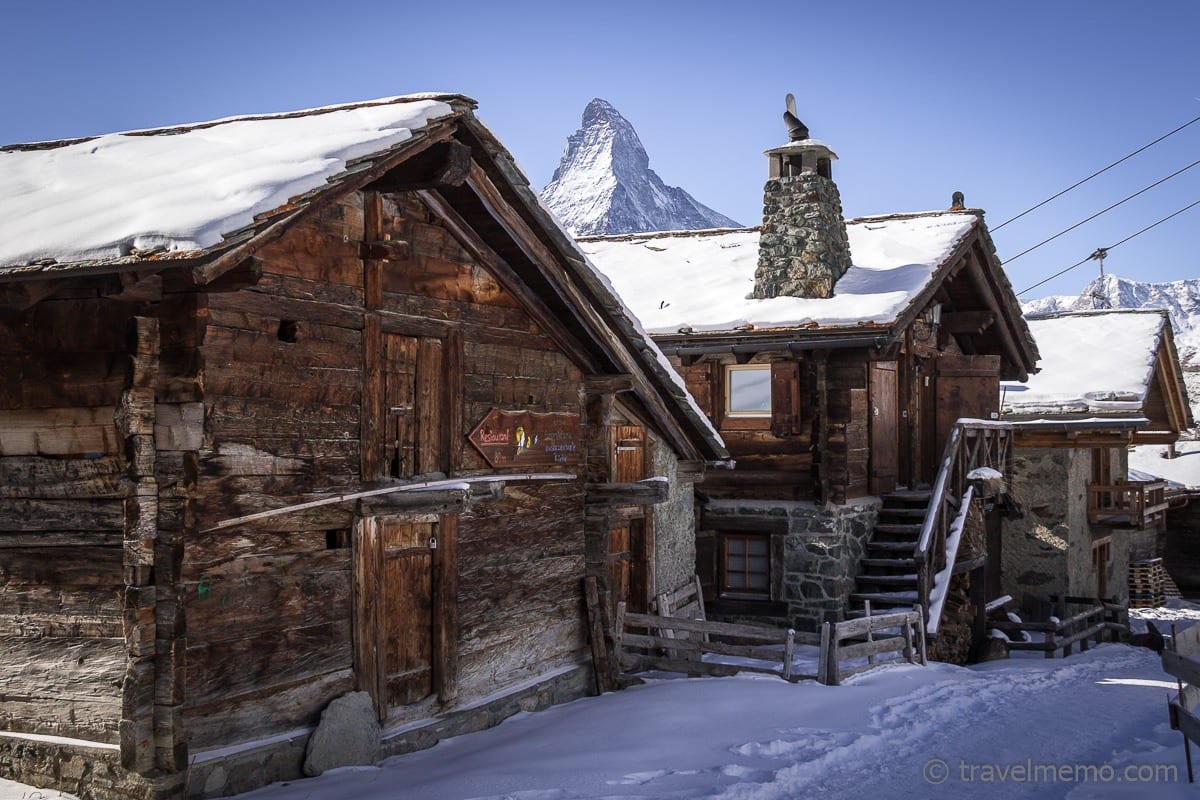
column 394, row 610
column 628, row 556
column 414, row 404
column 884, row 427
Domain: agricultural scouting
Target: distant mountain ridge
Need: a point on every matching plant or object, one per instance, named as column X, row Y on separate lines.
column 1180, row 298
column 604, row 184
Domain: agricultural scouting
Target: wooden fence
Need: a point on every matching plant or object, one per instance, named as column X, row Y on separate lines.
column 1183, row 662
column 680, row 644
column 650, row 641
column 1098, row 620
column 857, row 638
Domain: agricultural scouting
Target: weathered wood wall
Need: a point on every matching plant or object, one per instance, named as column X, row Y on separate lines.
column 270, row 604
column 775, row 456
column 63, row 484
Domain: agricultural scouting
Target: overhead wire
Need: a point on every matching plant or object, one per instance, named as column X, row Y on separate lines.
column 1095, row 174
column 1104, row 250
column 1102, row 211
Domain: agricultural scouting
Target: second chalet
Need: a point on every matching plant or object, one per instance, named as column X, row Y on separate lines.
column 853, row 371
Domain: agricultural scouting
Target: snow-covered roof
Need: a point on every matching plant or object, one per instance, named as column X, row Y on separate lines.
column 701, row 280
column 1093, row 363
column 182, row 188
column 1148, row 461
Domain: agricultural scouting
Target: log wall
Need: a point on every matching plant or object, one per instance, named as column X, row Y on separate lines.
column 63, row 484
column 270, row 604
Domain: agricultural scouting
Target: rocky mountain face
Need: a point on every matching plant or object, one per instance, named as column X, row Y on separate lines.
column 604, row 184
column 1180, row 298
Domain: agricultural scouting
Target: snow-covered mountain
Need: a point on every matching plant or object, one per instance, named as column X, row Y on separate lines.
column 1180, row 298
column 604, row 184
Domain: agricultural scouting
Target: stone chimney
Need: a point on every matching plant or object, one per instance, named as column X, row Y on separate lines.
column 803, row 248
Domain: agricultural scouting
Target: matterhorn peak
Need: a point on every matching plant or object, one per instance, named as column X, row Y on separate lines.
column 604, row 184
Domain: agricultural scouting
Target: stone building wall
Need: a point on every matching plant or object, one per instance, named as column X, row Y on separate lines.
column 819, row 549
column 674, row 525
column 1049, row 550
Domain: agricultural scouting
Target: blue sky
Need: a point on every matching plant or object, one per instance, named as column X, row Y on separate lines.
column 1007, row 102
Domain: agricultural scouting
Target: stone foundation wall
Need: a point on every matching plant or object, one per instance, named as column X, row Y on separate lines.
column 820, row 548
column 96, row 773
column 89, row 773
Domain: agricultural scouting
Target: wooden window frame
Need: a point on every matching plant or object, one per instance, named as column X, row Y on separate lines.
column 729, row 409
column 742, row 593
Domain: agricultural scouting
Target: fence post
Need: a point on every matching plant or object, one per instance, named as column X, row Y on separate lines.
column 870, row 632
column 789, row 647
column 823, row 655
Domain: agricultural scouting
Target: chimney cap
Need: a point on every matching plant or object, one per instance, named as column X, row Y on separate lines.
column 802, row 146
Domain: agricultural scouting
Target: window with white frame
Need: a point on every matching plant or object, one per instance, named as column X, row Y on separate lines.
column 748, row 390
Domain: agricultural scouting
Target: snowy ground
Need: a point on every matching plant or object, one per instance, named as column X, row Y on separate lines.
column 1090, row 726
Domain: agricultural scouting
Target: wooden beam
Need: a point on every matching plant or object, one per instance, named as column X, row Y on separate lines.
column 968, row 321
column 387, row 249
column 607, row 384
column 448, row 164
column 434, row 501
column 504, row 274
column 649, row 492
column 25, row 295
column 975, row 270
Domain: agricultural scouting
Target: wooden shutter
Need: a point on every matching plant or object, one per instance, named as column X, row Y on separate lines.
column 701, row 382
column 785, row 398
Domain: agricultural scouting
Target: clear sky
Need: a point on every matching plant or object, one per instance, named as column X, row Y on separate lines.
column 1008, row 102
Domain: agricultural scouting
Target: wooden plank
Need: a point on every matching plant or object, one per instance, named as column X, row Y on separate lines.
column 860, row 627
column 600, row 658
column 368, row 565
column 822, row 659
column 755, row 633
column 1181, row 667
column 445, row 609
column 62, row 686
column 890, row 644
column 32, row 477
column 59, row 432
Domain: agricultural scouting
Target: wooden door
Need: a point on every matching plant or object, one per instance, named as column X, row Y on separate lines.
column 628, row 553
column 968, row 387
column 884, row 427
column 394, row 611
column 414, row 405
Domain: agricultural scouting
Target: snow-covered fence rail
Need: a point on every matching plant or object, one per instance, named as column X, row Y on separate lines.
column 1098, row 619
column 1182, row 660
column 650, row 641
column 855, row 639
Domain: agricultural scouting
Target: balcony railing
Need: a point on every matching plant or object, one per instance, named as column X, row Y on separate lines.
column 1139, row 505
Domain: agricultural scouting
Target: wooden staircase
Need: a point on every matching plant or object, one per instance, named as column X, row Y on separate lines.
column 887, row 576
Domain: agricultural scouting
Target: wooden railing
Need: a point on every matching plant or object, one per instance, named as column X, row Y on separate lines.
column 903, row 633
column 1128, row 504
column 1098, row 619
column 972, row 444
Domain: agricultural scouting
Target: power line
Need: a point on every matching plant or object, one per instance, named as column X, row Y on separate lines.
column 1094, row 174
column 1103, row 211
column 1103, row 251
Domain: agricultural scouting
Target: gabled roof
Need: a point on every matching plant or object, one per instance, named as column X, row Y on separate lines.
column 198, row 200
column 185, row 191
column 693, row 286
column 1103, row 364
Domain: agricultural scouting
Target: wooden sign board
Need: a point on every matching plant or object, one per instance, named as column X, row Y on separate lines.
column 527, row 438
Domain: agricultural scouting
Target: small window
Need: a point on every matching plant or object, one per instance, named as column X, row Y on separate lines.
column 748, row 390
column 746, row 562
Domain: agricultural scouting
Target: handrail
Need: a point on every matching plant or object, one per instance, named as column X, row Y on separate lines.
column 949, row 491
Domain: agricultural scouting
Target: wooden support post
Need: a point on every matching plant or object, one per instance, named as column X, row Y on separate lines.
column 789, row 649
column 135, row 421
column 600, row 655
column 870, row 633
column 823, row 655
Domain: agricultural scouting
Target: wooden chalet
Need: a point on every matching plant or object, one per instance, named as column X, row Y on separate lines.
column 836, row 359
column 1109, row 379
column 302, row 404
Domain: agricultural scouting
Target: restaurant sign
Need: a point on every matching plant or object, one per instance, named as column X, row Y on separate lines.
column 527, row 438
